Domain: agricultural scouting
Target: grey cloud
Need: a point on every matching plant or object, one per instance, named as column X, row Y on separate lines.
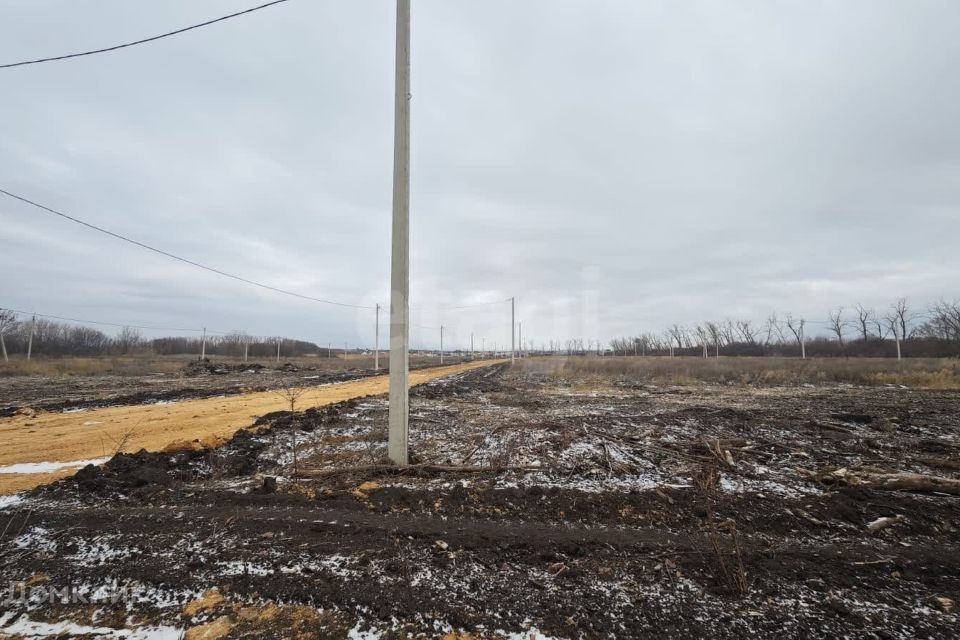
column 618, row 166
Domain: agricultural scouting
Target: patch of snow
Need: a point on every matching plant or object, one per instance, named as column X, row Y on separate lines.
column 98, row 551
column 530, row 634
column 10, row 501
column 240, row 568
column 36, row 537
column 49, row 467
column 23, row 626
column 356, row 633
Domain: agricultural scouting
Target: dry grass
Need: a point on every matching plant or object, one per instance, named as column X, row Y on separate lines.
column 93, row 366
column 920, row 373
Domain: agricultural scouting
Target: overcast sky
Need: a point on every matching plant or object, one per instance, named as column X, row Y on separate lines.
column 616, row 166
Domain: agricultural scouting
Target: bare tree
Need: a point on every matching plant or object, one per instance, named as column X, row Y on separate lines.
column 796, row 327
column 903, row 316
column 702, row 335
column 644, row 342
column 128, row 339
column 715, row 333
column 8, row 321
column 945, row 321
column 893, row 326
column 746, row 331
column 837, row 324
column 677, row 334
column 863, row 320
column 668, row 341
column 881, row 326
column 728, row 331
column 774, row 330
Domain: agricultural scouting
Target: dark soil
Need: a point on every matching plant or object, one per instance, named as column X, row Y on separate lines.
column 632, row 529
column 197, row 379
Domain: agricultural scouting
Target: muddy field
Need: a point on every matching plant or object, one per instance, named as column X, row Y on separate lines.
column 536, row 507
column 193, row 379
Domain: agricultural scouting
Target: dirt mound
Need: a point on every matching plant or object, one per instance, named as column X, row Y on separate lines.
column 138, row 475
column 308, row 420
column 206, row 367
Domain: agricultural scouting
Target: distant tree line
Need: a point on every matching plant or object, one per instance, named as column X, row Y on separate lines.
column 59, row 339
column 234, row 345
column 860, row 332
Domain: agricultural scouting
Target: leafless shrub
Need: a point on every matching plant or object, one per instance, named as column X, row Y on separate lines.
column 373, row 444
column 707, row 478
column 292, row 394
column 730, row 563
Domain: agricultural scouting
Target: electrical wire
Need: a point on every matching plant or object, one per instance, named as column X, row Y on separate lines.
column 143, row 41
column 107, row 324
column 210, row 333
column 176, row 257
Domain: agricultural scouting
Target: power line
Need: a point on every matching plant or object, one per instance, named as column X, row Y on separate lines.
column 210, row 333
column 143, row 41
column 107, row 324
column 176, row 257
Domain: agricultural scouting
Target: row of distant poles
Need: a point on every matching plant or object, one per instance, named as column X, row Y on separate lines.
column 400, row 251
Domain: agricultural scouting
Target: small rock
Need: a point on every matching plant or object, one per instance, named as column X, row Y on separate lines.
column 882, row 523
column 943, row 603
column 269, row 484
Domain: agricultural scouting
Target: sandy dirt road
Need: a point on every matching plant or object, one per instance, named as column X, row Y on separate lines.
column 89, row 435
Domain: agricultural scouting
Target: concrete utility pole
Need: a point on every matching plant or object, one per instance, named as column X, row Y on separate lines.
column 520, row 337
column 441, row 344
column 897, row 336
column 400, row 249
column 513, row 331
column 471, row 345
column 803, row 341
column 376, row 342
column 33, row 323
column 329, row 350
column 203, row 345
column 246, row 349
column 279, row 340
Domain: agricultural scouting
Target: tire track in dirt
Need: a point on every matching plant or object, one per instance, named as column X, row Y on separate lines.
column 84, row 435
